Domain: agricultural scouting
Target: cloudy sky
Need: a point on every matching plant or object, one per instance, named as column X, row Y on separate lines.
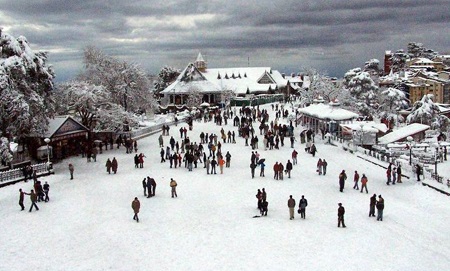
column 331, row 36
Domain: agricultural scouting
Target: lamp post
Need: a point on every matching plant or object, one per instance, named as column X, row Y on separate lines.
column 436, row 145
column 47, row 141
column 410, row 139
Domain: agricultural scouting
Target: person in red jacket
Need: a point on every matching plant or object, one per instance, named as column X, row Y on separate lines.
column 364, row 183
column 275, row 170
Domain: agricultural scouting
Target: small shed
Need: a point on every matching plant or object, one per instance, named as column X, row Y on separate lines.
column 326, row 117
column 67, row 137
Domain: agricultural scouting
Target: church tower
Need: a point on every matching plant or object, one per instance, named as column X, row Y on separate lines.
column 200, row 63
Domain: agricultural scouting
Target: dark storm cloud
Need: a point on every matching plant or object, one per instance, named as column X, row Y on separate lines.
column 332, row 35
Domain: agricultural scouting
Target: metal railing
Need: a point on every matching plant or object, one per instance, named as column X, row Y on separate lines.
column 18, row 173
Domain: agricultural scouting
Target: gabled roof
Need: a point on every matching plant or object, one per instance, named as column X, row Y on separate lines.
column 402, row 133
column 63, row 126
column 238, row 80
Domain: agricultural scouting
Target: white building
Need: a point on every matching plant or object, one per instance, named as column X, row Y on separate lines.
column 212, row 83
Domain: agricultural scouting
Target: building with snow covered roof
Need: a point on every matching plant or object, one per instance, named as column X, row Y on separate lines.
column 326, row 117
column 212, row 83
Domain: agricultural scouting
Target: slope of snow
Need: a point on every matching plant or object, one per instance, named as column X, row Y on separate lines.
column 88, row 225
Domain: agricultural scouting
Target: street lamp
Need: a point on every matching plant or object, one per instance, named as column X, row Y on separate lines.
column 436, row 145
column 410, row 139
column 47, row 141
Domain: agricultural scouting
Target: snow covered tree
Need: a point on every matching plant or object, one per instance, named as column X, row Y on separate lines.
column 166, row 76
column 391, row 101
column 6, row 155
column 92, row 105
column 194, row 97
column 127, row 84
column 399, row 60
column 26, row 84
column 424, row 111
column 320, row 86
column 418, row 50
column 363, row 90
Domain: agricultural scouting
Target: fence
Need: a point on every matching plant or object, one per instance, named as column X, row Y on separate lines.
column 18, row 173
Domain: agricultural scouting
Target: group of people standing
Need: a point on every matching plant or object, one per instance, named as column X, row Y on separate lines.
column 38, row 194
column 301, row 207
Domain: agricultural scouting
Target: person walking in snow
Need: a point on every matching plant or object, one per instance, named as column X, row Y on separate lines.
column 364, row 183
column 319, row 166
column 388, row 175
column 394, row 175
column 418, row 172
column 141, row 160
column 136, row 205
column 380, row 208
column 136, row 161
column 71, row 170
column 313, row 149
column 288, row 168
column 356, row 180
column 46, row 188
column 259, row 198
column 302, row 207
column 324, row 166
column 291, row 205
column 161, row 141
column 162, row 155
column 114, row 165
column 252, row 169
column 275, row 171
column 207, row 165
column 149, row 187
column 264, row 207
column 342, row 178
column 213, row 166
column 294, row 157
column 108, row 166
column 21, row 198
column 144, row 185
column 341, row 212
column 173, row 185
column 33, row 198
column 373, row 202
column 263, row 166
column 153, row 187
column 228, row 159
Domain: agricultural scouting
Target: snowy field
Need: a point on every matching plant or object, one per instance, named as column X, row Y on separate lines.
column 88, row 225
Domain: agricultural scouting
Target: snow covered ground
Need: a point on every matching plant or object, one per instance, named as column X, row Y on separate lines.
column 88, row 225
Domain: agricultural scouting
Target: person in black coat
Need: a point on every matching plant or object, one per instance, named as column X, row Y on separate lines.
column 21, row 198
column 264, row 207
column 46, row 190
column 144, row 185
column 288, row 168
column 136, row 161
column 162, row 152
column 380, row 208
column 149, row 187
column 341, row 212
column 342, row 178
column 373, row 202
column 302, row 207
column 252, row 169
column 418, row 172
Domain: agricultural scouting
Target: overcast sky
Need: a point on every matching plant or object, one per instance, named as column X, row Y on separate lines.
column 332, row 36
